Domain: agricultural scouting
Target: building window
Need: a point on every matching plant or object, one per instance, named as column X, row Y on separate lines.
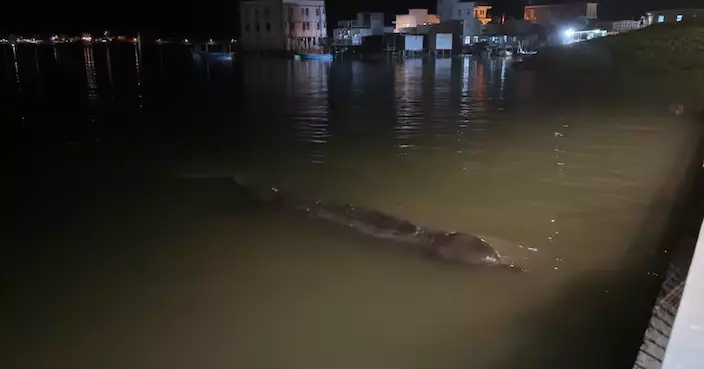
column 290, row 12
column 314, row 41
column 291, row 26
column 308, row 26
column 469, row 12
column 679, row 18
column 459, row 13
column 323, row 11
column 317, row 11
column 256, row 27
column 268, row 27
column 303, row 11
column 661, row 18
column 306, row 12
column 317, row 26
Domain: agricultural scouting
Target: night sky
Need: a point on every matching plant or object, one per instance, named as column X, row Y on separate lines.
column 219, row 17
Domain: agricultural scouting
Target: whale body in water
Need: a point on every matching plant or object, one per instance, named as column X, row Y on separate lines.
column 441, row 245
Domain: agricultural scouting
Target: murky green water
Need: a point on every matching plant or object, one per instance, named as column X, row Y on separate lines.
column 181, row 276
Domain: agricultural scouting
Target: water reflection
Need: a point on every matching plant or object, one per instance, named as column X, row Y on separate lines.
column 16, row 70
column 91, row 79
column 138, row 64
column 108, row 62
column 18, row 83
column 408, row 94
column 310, row 94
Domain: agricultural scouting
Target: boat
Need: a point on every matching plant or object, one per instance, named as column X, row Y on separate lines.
column 527, row 52
column 521, row 51
column 304, row 56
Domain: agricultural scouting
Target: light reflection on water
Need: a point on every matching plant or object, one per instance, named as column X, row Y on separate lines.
column 569, row 182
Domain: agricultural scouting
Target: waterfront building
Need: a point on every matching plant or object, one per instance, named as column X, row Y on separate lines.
column 283, row 25
column 471, row 15
column 673, row 16
column 628, row 25
column 350, row 32
column 414, row 18
column 463, row 10
column 560, row 14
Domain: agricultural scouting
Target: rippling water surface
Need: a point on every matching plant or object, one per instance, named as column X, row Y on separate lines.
column 574, row 179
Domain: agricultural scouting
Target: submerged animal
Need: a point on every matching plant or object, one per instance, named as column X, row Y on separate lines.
column 462, row 248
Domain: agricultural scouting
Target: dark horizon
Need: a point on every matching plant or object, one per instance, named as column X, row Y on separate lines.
column 215, row 18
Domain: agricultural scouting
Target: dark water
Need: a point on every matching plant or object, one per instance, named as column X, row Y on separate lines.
column 574, row 179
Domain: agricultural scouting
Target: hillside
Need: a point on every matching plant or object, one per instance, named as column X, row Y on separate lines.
column 669, row 49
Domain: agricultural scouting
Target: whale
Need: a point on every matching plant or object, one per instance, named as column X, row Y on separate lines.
column 432, row 243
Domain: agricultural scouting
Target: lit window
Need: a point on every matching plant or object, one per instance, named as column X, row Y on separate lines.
column 679, row 18
column 661, row 18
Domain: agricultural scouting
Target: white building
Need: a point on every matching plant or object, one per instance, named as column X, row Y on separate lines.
column 673, row 16
column 283, row 25
column 471, row 15
column 628, row 25
column 415, row 18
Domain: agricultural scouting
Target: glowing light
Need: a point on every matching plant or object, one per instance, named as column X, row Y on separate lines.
column 87, row 38
column 185, row 40
column 569, row 32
